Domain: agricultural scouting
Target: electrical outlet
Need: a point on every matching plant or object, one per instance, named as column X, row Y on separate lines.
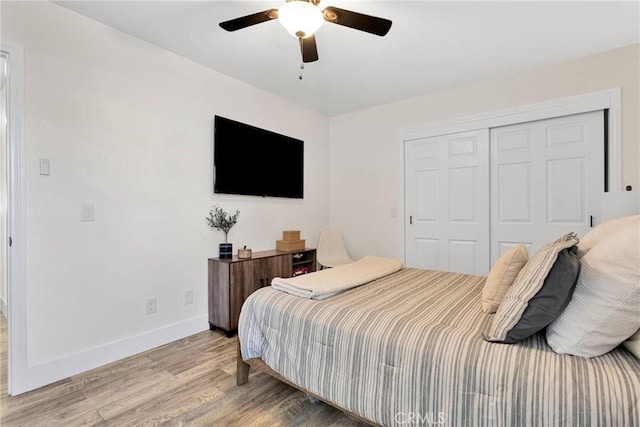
column 151, row 305
column 86, row 212
column 188, row 297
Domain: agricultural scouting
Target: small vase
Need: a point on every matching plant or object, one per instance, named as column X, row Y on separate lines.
column 226, row 250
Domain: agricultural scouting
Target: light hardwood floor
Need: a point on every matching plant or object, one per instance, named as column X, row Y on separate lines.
column 187, row 382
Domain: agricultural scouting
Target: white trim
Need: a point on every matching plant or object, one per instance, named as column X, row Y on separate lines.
column 607, row 99
column 73, row 364
column 615, row 141
column 17, row 253
column 402, row 209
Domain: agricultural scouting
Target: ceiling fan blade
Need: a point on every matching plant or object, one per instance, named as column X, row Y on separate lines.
column 309, row 49
column 358, row 21
column 249, row 20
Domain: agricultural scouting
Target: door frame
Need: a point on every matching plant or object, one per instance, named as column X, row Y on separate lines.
column 609, row 99
column 17, row 368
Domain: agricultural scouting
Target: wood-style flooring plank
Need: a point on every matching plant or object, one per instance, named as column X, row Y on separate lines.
column 105, row 375
column 27, row 414
column 69, row 417
column 190, row 382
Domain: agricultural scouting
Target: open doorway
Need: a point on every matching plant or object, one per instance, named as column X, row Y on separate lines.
column 13, row 329
column 3, row 221
column 3, row 184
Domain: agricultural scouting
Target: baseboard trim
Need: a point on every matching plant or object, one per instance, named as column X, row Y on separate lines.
column 55, row 370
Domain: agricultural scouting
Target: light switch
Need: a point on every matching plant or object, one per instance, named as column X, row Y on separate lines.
column 393, row 213
column 45, row 167
column 86, row 212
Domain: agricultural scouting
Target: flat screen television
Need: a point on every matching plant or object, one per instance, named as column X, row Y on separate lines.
column 256, row 162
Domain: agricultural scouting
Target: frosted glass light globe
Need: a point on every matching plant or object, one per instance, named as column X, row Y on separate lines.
column 300, row 18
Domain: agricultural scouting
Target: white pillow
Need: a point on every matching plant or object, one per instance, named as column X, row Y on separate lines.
column 633, row 344
column 605, row 308
column 502, row 276
column 601, row 230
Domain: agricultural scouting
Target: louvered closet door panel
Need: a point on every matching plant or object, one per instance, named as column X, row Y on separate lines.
column 447, row 202
column 546, row 180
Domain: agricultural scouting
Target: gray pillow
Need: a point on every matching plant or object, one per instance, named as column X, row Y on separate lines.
column 551, row 300
column 527, row 285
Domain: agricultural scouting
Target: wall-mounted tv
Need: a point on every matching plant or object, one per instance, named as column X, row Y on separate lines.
column 256, row 162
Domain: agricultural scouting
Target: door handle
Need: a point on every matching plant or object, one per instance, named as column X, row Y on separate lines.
column 591, row 221
column 410, row 219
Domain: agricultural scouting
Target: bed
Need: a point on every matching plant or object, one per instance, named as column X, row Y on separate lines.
column 406, row 346
column 407, row 349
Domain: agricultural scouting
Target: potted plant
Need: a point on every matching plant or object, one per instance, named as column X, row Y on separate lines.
column 221, row 220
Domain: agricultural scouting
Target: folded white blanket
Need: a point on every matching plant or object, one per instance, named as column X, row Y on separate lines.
column 325, row 283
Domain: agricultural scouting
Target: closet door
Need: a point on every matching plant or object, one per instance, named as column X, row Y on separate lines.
column 447, row 202
column 546, row 180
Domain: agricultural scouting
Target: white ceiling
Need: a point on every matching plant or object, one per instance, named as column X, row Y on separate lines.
column 432, row 45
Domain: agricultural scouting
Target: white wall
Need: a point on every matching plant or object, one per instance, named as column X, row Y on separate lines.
column 128, row 127
column 366, row 153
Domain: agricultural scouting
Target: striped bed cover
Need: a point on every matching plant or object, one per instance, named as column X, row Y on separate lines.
column 407, row 350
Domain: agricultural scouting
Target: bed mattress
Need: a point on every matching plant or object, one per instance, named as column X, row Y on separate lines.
column 407, row 350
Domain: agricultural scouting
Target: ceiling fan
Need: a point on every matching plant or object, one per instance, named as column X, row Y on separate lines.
column 302, row 18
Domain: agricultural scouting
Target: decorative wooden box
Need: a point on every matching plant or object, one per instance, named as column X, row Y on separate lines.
column 287, row 245
column 290, row 241
column 291, row 235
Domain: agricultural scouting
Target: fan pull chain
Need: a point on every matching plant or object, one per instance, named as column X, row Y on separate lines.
column 301, row 69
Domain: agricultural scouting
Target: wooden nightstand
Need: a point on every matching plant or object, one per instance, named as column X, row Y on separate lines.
column 231, row 281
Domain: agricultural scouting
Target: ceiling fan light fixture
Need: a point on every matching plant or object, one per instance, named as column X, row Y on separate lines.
column 300, row 18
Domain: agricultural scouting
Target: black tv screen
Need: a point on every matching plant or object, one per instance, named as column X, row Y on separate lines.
column 257, row 162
